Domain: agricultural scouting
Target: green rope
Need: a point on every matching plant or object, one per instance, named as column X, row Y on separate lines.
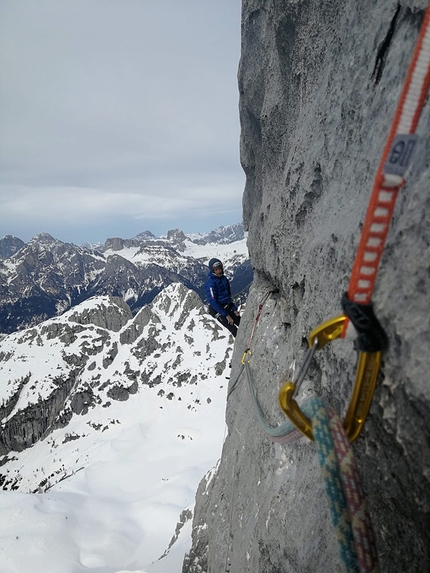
column 232, row 385
column 360, row 520
column 333, row 485
column 286, row 432
column 346, row 501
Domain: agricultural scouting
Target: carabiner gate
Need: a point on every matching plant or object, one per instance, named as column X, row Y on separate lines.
column 364, row 385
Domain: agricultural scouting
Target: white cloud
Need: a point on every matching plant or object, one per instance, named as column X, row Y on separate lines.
column 118, row 102
column 169, row 205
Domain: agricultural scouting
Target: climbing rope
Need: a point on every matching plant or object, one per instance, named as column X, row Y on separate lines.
column 284, row 433
column 346, row 502
column 248, row 349
column 345, row 498
column 257, row 316
column 360, row 521
column 333, row 485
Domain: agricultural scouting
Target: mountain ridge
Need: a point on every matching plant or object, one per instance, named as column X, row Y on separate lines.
column 96, row 392
column 45, row 276
column 224, row 234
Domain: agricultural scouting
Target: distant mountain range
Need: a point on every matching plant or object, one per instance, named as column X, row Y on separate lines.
column 45, row 277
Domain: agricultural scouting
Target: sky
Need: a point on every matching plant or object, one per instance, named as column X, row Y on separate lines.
column 118, row 116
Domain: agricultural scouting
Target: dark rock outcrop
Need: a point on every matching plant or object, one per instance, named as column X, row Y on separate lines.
column 9, row 245
column 31, row 424
column 318, row 88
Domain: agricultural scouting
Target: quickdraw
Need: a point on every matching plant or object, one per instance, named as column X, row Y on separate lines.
column 248, row 349
column 364, row 386
column 356, row 303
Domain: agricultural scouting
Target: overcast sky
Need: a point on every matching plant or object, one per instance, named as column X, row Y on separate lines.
column 118, row 116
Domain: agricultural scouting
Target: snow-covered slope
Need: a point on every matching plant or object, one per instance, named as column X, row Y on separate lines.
column 126, row 415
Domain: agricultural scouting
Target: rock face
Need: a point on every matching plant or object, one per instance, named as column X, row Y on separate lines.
column 9, row 245
column 319, row 83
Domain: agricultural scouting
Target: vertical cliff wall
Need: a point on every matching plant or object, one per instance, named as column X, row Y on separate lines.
column 319, row 83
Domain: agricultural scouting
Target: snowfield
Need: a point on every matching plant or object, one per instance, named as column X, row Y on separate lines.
column 105, row 492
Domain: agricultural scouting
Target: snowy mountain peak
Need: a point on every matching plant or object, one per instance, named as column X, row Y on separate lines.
column 43, row 238
column 145, row 236
column 111, row 313
column 176, row 235
column 9, row 245
column 222, row 235
column 109, row 421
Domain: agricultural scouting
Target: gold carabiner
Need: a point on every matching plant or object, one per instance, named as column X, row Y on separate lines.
column 364, row 385
column 247, row 351
column 362, row 394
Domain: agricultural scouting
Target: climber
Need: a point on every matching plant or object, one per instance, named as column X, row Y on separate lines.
column 218, row 295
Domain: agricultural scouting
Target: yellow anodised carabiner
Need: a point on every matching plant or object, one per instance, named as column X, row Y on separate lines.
column 364, row 386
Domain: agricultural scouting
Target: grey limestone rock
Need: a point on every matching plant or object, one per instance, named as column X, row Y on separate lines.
column 176, row 236
column 112, row 315
column 35, row 421
column 116, row 244
column 9, row 245
column 318, row 86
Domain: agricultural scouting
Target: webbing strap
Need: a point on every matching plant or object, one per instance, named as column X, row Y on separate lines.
column 390, row 174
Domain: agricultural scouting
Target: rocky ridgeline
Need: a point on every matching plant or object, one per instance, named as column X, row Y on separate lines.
column 223, row 235
column 45, row 277
column 97, row 354
column 318, row 87
column 9, row 245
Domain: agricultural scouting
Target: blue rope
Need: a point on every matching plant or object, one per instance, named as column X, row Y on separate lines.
column 277, row 433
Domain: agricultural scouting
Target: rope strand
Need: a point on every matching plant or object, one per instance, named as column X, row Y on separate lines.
column 361, row 526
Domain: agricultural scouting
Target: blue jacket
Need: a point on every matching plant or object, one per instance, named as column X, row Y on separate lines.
column 218, row 292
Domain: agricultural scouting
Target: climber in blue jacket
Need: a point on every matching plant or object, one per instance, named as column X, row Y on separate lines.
column 219, row 297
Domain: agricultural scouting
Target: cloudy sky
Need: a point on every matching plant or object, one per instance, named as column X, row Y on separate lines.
column 118, row 116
